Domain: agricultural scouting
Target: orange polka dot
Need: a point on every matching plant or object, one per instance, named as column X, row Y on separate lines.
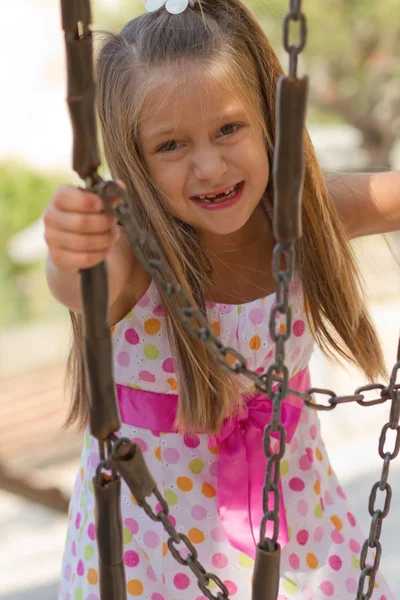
column 312, row 560
column 133, row 500
column 92, row 576
column 196, row 536
column 255, row 342
column 216, row 327
column 337, row 523
column 214, row 450
column 73, row 577
column 157, row 453
column 329, row 470
column 207, row 490
column 318, row 454
column 282, row 328
column 230, row 359
column 82, row 473
column 135, row 587
column 184, row 483
column 152, row 326
column 112, row 328
column 172, row 383
column 164, row 549
column 317, row 488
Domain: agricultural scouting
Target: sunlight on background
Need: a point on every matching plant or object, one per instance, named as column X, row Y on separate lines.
column 35, row 155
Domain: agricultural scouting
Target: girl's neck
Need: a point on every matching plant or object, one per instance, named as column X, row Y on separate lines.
column 241, row 262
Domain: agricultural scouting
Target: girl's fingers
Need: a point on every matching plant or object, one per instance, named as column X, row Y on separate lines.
column 71, row 199
column 77, row 242
column 74, row 261
column 78, row 222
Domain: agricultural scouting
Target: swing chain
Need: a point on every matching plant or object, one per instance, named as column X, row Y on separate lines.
column 369, row 571
column 294, row 15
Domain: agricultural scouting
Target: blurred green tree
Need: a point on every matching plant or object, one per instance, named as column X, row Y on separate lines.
column 351, row 56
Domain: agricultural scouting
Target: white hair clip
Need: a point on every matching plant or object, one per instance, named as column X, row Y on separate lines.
column 174, row 7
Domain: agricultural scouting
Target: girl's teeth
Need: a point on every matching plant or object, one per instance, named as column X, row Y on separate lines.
column 210, row 199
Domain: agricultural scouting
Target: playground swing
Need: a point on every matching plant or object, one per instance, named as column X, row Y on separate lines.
column 123, row 458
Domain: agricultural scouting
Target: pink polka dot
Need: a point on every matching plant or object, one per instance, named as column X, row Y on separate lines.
column 172, row 520
column 232, row 589
column 73, row 548
column 150, row 574
column 144, row 300
column 296, row 484
column 123, row 359
column 302, row 537
column 217, row 534
column 310, row 454
column 192, row 441
column 335, row 562
column 296, row 353
column 256, row 316
column 327, row 588
column 80, row 568
column 93, row 460
column 337, row 537
column 132, row 525
column 294, row 561
column 147, row 376
column 132, row 337
column 198, row 512
column 318, row 534
column 225, row 309
column 171, row 455
column 67, row 572
column 351, row 519
column 131, row 558
column 78, row 520
column 351, row 585
column 141, row 443
column 210, row 304
column 328, row 498
column 298, row 328
column 168, row 365
column 181, row 581
column 313, row 431
column 354, row 546
column 92, row 531
column 92, row 597
column 322, row 504
column 294, row 287
column 219, row 560
column 151, row 539
column 302, row 507
column 304, row 463
column 157, row 596
column 159, row 311
column 294, row 444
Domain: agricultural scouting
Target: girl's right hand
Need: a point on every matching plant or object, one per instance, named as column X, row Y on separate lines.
column 78, row 232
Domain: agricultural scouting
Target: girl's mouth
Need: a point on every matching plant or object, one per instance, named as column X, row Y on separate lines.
column 224, row 200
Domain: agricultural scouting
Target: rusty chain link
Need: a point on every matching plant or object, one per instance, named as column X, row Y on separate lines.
column 275, row 382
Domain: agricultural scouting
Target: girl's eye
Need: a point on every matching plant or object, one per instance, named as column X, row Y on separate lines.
column 230, row 128
column 169, row 146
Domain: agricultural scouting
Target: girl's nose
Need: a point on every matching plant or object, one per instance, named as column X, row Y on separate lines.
column 209, row 165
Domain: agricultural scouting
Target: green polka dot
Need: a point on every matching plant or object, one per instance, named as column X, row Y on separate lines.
column 88, row 441
column 78, row 594
column 289, row 532
column 318, row 511
column 245, row 561
column 196, row 466
column 240, row 309
column 294, row 371
column 88, row 552
column 128, row 537
column 355, row 562
column 290, row 586
column 171, row 497
column 82, row 499
column 284, row 467
column 151, row 352
column 129, row 315
column 135, row 386
column 90, row 487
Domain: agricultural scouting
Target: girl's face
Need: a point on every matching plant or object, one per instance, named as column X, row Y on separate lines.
column 199, row 139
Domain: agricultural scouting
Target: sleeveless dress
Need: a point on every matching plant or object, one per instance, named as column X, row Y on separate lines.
column 321, row 557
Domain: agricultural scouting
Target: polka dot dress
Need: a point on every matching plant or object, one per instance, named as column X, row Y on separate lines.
column 321, row 559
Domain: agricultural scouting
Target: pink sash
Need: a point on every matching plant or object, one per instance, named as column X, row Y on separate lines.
column 241, row 468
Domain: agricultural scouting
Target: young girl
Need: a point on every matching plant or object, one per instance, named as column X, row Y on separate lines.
column 187, row 109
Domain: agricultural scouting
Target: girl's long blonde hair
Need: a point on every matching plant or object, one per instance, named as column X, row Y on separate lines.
column 225, row 35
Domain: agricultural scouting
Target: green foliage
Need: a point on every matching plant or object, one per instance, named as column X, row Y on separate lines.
column 24, row 194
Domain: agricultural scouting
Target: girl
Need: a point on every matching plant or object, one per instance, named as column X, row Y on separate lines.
column 192, row 139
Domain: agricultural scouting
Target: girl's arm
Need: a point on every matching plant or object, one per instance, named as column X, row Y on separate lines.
column 368, row 203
